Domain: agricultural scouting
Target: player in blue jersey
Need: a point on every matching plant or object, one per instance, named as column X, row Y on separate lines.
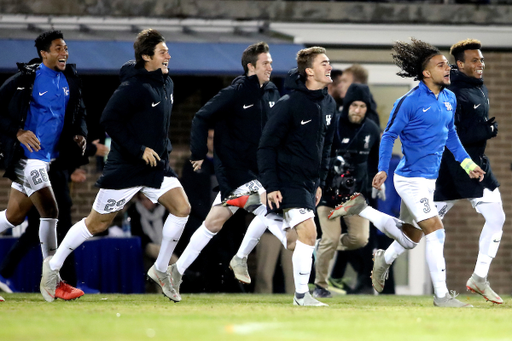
column 424, row 120
column 41, row 114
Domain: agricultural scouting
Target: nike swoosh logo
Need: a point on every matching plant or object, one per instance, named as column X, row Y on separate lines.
column 302, row 122
column 42, row 93
column 155, row 104
column 424, row 110
column 20, row 89
column 248, row 106
column 496, row 241
column 476, row 106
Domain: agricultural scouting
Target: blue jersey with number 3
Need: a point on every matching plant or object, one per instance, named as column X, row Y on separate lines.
column 425, row 126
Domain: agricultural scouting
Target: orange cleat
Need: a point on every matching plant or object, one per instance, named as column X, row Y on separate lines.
column 247, row 201
column 66, row 292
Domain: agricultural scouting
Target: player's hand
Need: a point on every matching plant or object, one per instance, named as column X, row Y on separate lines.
column 196, row 164
column 151, row 157
column 29, row 140
column 318, row 196
column 78, row 175
column 477, row 173
column 274, row 197
column 101, row 149
column 474, row 171
column 379, row 193
column 378, row 179
column 81, row 141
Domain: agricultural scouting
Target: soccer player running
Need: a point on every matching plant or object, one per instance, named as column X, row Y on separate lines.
column 41, row 116
column 137, row 119
column 424, row 120
column 474, row 128
column 238, row 114
column 293, row 157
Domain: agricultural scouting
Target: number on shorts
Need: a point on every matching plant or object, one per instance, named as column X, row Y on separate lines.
column 111, row 204
column 425, row 203
column 39, row 176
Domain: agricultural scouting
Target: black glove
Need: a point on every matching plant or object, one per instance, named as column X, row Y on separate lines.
column 493, row 126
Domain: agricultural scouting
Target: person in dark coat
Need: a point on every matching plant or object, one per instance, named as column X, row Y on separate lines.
column 42, row 118
column 474, row 128
column 293, row 158
column 238, row 114
column 137, row 118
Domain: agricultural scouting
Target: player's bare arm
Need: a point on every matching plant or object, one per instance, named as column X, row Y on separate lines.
column 29, row 140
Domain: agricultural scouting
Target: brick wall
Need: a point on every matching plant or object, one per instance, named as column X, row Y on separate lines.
column 463, row 224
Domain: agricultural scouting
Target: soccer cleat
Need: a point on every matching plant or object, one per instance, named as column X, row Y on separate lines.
column 482, row 287
column 67, row 292
column 249, row 201
column 320, row 292
column 307, row 301
column 239, row 267
column 353, row 206
column 49, row 281
column 380, row 270
column 449, row 301
column 2, row 299
column 175, row 278
column 4, row 286
column 163, row 279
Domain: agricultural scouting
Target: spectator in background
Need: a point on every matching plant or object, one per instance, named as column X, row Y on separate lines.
column 42, row 117
column 359, row 75
column 334, row 89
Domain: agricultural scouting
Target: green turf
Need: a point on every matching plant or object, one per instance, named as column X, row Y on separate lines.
column 250, row 317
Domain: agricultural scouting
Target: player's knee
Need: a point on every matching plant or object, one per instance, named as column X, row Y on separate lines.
column 183, row 210
column 14, row 218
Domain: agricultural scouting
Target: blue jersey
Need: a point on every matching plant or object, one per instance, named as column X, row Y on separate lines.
column 45, row 117
column 425, row 126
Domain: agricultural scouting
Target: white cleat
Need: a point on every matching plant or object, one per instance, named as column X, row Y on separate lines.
column 481, row 286
column 239, row 267
column 380, row 270
column 49, row 281
column 175, row 278
column 308, row 301
column 163, row 279
column 449, row 301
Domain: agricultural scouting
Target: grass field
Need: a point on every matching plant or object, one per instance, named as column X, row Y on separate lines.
column 250, row 317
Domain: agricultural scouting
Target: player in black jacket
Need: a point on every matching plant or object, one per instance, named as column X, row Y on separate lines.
column 293, row 157
column 238, row 114
column 137, row 119
column 474, row 128
column 356, row 142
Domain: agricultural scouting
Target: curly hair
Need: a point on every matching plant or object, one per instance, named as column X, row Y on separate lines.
column 457, row 49
column 45, row 39
column 413, row 57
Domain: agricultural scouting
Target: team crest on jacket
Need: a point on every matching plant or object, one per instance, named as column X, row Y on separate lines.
column 328, row 119
column 448, row 106
column 172, row 98
column 366, row 141
column 271, row 104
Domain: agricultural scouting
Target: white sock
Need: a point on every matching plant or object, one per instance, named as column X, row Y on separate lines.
column 48, row 236
column 302, row 260
column 171, row 233
column 197, row 242
column 436, row 262
column 388, row 225
column 392, row 252
column 252, row 237
column 483, row 263
column 4, row 223
column 76, row 235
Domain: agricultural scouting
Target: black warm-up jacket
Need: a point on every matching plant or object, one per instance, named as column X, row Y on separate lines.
column 296, row 142
column 138, row 116
column 471, row 122
column 238, row 114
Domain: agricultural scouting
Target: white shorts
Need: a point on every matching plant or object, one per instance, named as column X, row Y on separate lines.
column 417, row 199
column 252, row 186
column 31, row 176
column 295, row 216
column 113, row 200
column 488, row 197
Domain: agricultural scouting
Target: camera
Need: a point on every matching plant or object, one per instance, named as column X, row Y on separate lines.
column 343, row 182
